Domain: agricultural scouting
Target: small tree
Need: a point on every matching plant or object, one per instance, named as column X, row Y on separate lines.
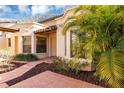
column 103, row 42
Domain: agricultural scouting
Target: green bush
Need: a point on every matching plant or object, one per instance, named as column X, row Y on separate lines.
column 61, row 64
column 25, row 57
column 66, row 65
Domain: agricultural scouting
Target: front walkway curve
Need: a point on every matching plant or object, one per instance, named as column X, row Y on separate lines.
column 45, row 79
column 50, row 79
column 17, row 72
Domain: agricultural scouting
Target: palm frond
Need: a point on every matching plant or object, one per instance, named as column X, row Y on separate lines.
column 110, row 67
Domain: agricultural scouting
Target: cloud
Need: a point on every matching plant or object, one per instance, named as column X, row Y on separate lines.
column 5, row 9
column 18, row 11
column 24, row 9
column 36, row 9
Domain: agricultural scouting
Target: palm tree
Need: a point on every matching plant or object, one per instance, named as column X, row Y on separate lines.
column 103, row 27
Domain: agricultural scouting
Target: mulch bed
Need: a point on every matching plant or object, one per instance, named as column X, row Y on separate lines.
column 18, row 64
column 84, row 76
column 87, row 76
column 34, row 71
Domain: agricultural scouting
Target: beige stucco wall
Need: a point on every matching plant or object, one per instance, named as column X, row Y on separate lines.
column 63, row 47
column 3, row 42
column 12, row 37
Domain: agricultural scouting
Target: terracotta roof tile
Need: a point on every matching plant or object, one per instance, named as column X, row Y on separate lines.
column 49, row 28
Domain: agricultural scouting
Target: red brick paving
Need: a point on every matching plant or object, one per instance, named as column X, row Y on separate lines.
column 17, row 72
column 50, row 79
column 46, row 79
column 3, row 85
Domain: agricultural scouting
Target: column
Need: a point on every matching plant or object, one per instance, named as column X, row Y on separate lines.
column 21, row 44
column 33, row 44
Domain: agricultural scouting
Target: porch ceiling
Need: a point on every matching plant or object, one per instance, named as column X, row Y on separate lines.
column 48, row 29
column 3, row 29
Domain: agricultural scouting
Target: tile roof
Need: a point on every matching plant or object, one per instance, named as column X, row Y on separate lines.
column 47, row 29
column 51, row 18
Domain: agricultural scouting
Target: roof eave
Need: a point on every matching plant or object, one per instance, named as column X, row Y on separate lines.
column 8, row 30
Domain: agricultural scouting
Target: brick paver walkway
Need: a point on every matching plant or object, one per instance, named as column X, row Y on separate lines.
column 50, row 79
column 46, row 79
column 17, row 72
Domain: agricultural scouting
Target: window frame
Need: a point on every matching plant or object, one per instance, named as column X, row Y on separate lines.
column 26, row 45
column 45, row 45
column 9, row 42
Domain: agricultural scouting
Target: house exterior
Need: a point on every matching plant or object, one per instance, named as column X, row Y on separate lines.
column 45, row 39
column 30, row 34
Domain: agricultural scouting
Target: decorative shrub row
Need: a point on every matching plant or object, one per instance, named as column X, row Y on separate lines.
column 25, row 57
column 68, row 65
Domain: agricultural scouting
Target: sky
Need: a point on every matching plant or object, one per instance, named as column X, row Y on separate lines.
column 18, row 11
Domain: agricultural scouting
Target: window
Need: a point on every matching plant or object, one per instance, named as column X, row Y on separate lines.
column 41, row 44
column 26, row 44
column 9, row 42
column 77, row 44
column 1, row 34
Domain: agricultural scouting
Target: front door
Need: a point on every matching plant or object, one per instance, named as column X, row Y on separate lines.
column 53, row 46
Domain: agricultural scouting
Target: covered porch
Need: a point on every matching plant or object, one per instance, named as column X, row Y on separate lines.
column 43, row 42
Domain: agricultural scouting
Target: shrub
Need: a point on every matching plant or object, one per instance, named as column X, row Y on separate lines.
column 6, row 54
column 61, row 64
column 69, row 65
column 25, row 57
column 5, row 60
column 76, row 65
